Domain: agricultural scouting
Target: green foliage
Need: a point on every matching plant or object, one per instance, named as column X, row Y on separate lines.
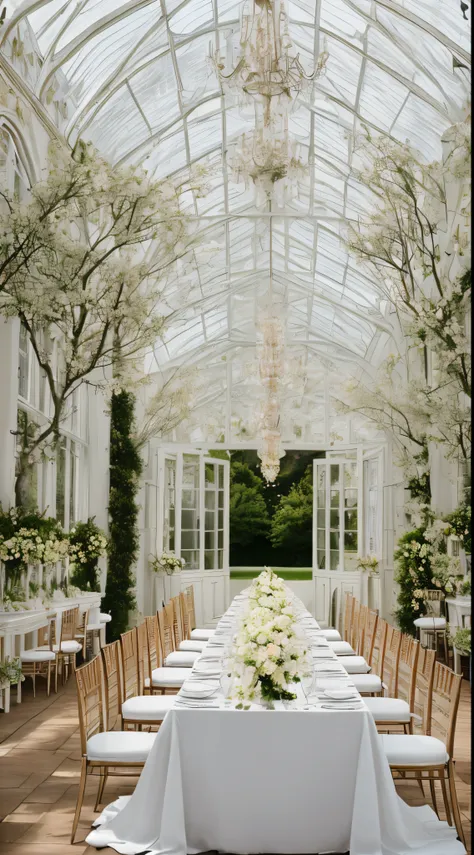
column 462, row 640
column 249, row 518
column 88, row 543
column 413, row 576
column 125, row 470
column 292, row 522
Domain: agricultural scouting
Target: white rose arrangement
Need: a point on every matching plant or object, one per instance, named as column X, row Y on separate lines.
column 167, row 562
column 267, row 653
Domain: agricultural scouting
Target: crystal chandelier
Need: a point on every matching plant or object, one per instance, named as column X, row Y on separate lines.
column 266, row 68
column 270, row 354
column 270, row 160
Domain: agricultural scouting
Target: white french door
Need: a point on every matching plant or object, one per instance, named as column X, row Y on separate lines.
column 347, row 523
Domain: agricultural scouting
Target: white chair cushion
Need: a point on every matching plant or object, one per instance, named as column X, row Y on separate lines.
column 195, row 646
column 121, row 746
column 202, row 634
column 342, row 648
column 147, row 707
column 330, row 634
column 104, row 617
column 413, row 750
column 66, row 647
column 388, row 709
column 181, row 659
column 172, row 677
column 367, row 682
column 354, row 664
column 430, row 622
column 37, row 656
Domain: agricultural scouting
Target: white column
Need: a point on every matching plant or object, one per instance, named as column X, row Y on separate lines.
column 9, row 341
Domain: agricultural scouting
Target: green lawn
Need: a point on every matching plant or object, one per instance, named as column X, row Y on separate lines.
column 295, row 574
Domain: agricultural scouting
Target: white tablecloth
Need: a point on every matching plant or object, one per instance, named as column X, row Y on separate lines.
column 283, row 781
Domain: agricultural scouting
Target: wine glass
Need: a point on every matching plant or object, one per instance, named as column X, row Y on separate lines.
column 308, row 684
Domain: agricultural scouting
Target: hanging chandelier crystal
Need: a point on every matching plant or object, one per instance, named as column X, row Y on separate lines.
column 266, row 68
column 271, row 161
column 270, row 352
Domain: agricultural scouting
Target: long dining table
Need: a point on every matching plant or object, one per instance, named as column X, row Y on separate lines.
column 309, row 776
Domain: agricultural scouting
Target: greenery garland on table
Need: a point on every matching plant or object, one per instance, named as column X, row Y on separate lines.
column 87, row 544
column 125, row 470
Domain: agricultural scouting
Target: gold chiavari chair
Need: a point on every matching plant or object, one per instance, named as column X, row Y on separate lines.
column 170, row 631
column 431, row 752
column 40, row 662
column 197, row 634
column 138, row 709
column 393, row 713
column 186, row 642
column 101, row 748
column 390, row 664
column 348, row 616
column 161, row 679
column 356, row 663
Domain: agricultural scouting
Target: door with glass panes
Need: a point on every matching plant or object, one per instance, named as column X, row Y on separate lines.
column 337, row 525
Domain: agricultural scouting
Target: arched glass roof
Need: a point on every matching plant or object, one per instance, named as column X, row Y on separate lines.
column 138, row 82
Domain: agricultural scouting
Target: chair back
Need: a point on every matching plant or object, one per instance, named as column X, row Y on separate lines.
column 407, row 667
column 82, row 622
column 348, row 613
column 154, row 650
column 424, row 687
column 445, row 704
column 112, row 682
column 129, row 650
column 355, row 626
column 378, row 648
column 433, row 600
column 165, row 619
column 45, row 636
column 144, row 672
column 178, row 629
column 189, row 593
column 89, row 683
column 391, row 657
column 69, row 619
column 185, row 617
column 368, row 638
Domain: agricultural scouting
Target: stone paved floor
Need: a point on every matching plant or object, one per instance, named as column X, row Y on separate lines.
column 39, row 772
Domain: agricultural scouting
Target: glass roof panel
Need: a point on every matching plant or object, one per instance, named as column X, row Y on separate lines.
column 141, row 86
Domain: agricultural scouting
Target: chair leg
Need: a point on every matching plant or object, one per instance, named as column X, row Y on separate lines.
column 445, row 798
column 56, row 675
column 433, row 795
column 48, row 680
column 454, row 801
column 419, row 778
column 33, row 680
column 100, row 791
column 80, row 797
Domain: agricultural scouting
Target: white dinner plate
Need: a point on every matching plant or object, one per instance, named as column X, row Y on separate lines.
column 197, row 690
column 341, row 694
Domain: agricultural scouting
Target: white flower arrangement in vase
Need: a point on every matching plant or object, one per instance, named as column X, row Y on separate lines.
column 10, row 672
column 267, row 654
column 369, row 562
column 167, row 562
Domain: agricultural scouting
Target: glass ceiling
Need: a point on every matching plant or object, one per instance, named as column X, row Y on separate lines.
column 138, row 82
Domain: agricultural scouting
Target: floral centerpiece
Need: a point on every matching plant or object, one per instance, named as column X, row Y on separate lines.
column 29, row 538
column 267, row 653
column 167, row 562
column 369, row 562
column 446, row 572
column 10, row 672
column 87, row 543
column 459, row 524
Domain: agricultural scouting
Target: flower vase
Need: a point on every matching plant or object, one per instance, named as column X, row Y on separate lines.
column 175, row 584
column 267, row 704
column 160, row 595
